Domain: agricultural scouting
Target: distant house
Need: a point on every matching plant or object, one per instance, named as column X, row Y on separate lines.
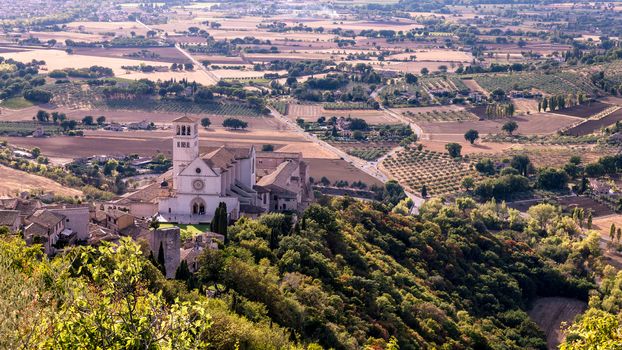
column 118, row 220
column 76, row 219
column 48, row 229
column 192, row 249
column 25, row 207
column 114, row 127
column 142, row 125
column 10, row 219
column 38, row 132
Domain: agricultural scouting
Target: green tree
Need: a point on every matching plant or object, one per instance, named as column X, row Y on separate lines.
column 35, row 151
column 234, row 123
column 183, row 272
column 205, row 122
column 453, row 149
column 424, row 191
column 161, row 260
column 510, row 127
column 471, row 135
column 521, row 163
column 468, row 183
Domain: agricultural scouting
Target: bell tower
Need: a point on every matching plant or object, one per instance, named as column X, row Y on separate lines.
column 185, row 144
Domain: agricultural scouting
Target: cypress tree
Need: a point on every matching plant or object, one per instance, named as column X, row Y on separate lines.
column 274, row 239
column 182, row 273
column 589, row 220
column 161, row 261
column 612, row 232
column 215, row 224
column 223, row 221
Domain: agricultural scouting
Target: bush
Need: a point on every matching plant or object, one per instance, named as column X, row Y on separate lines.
column 38, row 95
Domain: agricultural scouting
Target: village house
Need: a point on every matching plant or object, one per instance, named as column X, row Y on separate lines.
column 47, row 228
column 10, row 219
column 193, row 248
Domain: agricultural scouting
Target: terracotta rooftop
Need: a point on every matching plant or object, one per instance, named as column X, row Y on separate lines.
column 280, row 178
column 220, row 158
column 46, row 218
column 35, row 229
column 184, row 119
column 8, row 217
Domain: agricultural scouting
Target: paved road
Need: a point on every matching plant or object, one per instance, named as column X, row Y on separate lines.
column 194, row 61
column 370, row 168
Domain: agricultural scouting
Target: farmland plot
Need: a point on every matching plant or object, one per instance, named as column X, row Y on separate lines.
column 307, row 112
column 554, row 84
column 440, row 116
column 15, row 181
column 440, row 173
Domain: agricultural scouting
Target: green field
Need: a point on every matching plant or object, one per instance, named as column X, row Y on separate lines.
column 188, row 231
column 16, row 103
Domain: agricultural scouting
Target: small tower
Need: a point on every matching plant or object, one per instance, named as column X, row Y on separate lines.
column 185, row 144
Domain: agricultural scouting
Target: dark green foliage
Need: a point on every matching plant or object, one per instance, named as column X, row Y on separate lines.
column 453, row 149
column 38, row 95
column 552, row 179
column 502, row 187
column 220, row 221
column 234, row 123
column 351, row 272
column 161, row 260
column 183, row 273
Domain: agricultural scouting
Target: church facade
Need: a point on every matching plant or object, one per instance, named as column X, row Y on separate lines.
column 200, row 182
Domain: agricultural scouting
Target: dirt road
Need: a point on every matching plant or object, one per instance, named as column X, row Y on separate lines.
column 549, row 313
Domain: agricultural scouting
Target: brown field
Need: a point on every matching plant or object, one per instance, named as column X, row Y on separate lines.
column 474, row 86
column 467, row 148
column 434, row 55
column 585, row 110
column 416, row 110
column 15, row 181
column 371, row 116
column 591, row 126
column 307, row 112
column 598, row 209
column 525, row 105
column 549, row 313
column 124, row 116
column 534, row 124
column 603, row 224
column 416, row 67
column 62, row 36
column 147, row 143
column 555, row 156
column 58, row 59
column 338, row 169
column 123, row 28
column 233, row 73
column 221, row 60
column 167, row 54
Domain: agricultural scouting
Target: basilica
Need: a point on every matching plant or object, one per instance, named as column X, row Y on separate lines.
column 248, row 182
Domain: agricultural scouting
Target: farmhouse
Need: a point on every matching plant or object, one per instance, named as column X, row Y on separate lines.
column 228, row 175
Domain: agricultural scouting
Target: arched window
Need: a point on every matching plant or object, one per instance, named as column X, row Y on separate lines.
column 178, row 130
column 198, row 207
column 183, row 130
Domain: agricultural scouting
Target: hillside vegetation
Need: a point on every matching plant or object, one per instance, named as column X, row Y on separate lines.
column 349, row 275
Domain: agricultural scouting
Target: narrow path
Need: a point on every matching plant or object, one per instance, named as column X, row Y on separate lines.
column 194, row 61
column 370, row 168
